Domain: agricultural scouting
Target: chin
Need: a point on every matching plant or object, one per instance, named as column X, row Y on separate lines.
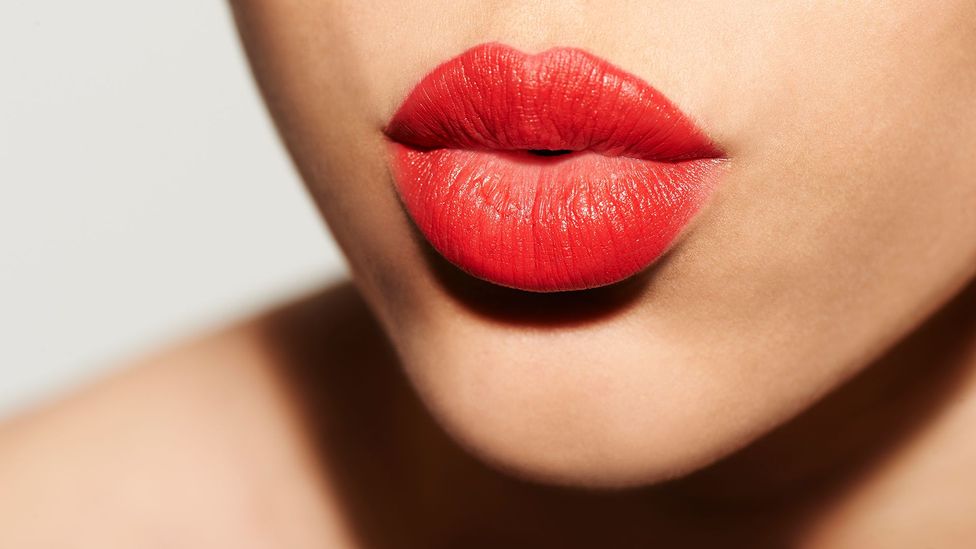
column 587, row 412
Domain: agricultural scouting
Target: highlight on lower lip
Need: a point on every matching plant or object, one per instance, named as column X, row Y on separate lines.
column 549, row 172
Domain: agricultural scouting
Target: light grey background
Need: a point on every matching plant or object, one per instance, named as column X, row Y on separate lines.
column 143, row 193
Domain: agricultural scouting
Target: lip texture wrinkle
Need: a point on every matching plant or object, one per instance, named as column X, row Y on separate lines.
column 548, row 172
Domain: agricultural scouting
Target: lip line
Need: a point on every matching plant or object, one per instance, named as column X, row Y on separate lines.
column 716, row 152
column 718, row 156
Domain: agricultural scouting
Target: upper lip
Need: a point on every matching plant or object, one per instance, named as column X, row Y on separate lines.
column 500, row 98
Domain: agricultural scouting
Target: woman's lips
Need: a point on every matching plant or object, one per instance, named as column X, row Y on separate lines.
column 548, row 172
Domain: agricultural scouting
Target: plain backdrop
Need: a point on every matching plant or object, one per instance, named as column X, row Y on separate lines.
column 144, row 196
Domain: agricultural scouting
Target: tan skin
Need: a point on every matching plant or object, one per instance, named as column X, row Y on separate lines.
column 799, row 371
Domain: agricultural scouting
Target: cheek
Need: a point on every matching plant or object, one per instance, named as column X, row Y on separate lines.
column 862, row 165
column 320, row 97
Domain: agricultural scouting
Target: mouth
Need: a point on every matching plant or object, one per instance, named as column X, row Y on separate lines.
column 549, row 172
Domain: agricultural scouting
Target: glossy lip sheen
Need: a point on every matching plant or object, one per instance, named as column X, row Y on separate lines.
column 614, row 174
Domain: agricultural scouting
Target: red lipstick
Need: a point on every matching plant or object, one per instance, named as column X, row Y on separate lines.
column 547, row 172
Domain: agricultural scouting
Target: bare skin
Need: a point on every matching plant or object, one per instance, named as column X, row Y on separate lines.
column 296, row 429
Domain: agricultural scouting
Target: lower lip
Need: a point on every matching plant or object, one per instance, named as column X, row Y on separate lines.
column 549, row 223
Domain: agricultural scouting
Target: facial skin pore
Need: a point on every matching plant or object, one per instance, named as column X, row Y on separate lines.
column 847, row 217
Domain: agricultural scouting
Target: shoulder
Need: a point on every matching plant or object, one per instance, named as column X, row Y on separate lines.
column 200, row 441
